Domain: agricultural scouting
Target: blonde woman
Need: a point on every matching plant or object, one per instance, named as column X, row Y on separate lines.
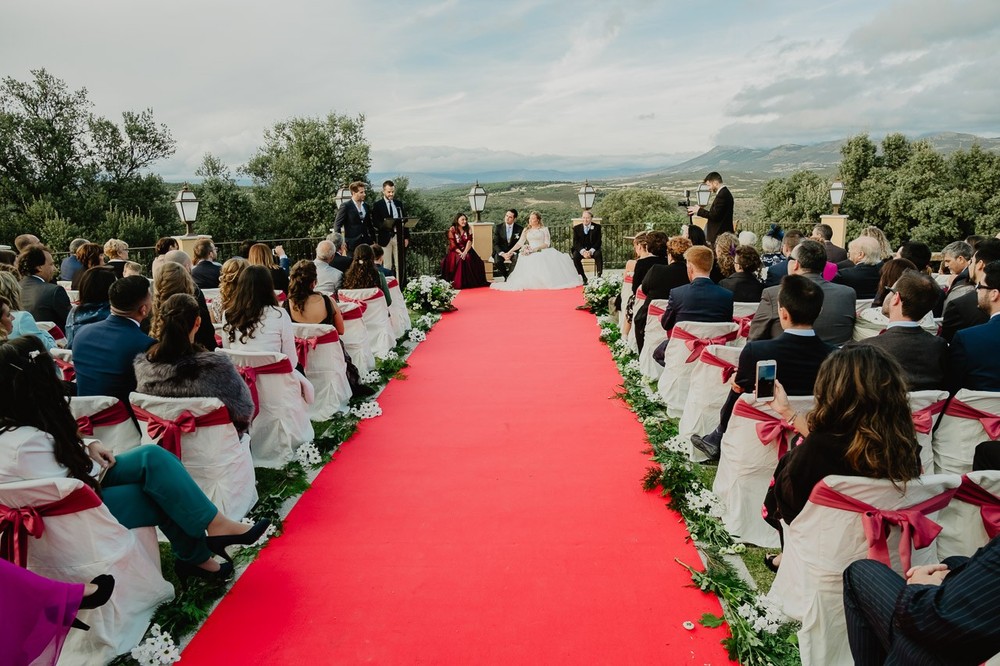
column 171, row 278
column 725, row 253
column 885, row 250
column 117, row 253
column 228, row 275
column 260, row 255
column 539, row 266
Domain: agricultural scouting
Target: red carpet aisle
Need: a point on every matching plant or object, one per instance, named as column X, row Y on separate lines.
column 493, row 515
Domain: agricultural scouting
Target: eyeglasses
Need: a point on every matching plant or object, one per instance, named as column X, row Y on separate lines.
column 985, row 286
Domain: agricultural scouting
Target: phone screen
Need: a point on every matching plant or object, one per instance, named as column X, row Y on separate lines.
column 765, row 381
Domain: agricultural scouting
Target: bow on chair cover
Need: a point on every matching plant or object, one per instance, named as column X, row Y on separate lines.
column 304, row 345
column 110, row 416
column 17, row 524
column 769, row 427
column 918, row 529
column 169, row 431
column 655, row 311
column 354, row 313
column 363, row 302
column 697, row 345
column 744, row 325
column 68, row 371
column 991, row 422
column 391, row 282
column 988, row 503
column 640, row 294
column 249, row 375
column 923, row 419
column 728, row 369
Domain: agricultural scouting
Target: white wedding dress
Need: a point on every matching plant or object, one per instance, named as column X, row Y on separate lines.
column 536, row 268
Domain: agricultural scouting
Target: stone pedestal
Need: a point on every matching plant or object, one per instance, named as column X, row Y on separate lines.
column 699, row 221
column 482, row 243
column 187, row 243
column 839, row 225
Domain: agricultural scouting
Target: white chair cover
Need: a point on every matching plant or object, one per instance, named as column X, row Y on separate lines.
column 327, row 370
column 746, row 467
column 625, row 294
column 870, row 322
column 654, row 336
column 862, row 304
column 630, row 338
column 64, row 355
column 399, row 316
column 216, row 457
column 282, row 425
column 963, row 532
column 956, row 438
column 706, row 394
column 120, row 437
column 744, row 309
column 673, row 383
column 57, row 333
column 376, row 318
column 821, row 542
column 355, row 339
column 920, row 400
column 76, row 548
column 210, row 294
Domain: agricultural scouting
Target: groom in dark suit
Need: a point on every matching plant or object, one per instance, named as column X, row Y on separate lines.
column 587, row 245
column 354, row 219
column 720, row 215
column 505, row 236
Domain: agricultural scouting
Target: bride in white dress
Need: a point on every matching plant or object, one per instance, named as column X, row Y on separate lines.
column 539, row 265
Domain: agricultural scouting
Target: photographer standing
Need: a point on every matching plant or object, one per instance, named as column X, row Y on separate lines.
column 720, row 215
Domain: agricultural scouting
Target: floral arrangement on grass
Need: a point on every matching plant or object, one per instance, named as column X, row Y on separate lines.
column 599, row 291
column 758, row 636
column 429, row 294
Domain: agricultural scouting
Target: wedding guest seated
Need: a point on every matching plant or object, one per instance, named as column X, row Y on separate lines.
column 228, row 276
column 956, row 259
column 640, row 250
column 695, row 234
column 890, row 272
column 22, row 323
column 974, row 362
column 860, row 426
column 88, row 255
column 7, row 258
column 725, row 255
column 261, row 255
column 70, row 264
column 253, row 320
column 798, row 354
column 178, row 367
column 885, row 251
column 328, row 278
column 779, row 269
column 461, row 265
column 94, row 305
column 771, row 246
column 145, row 486
column 103, row 352
column 963, row 311
column 164, row 245
column 939, row 614
column 917, row 252
column 22, row 241
column 116, row 252
column 175, row 284
column 341, row 260
column 835, row 323
column 659, row 281
column 205, row 271
column 44, row 300
column 307, row 306
column 363, row 275
column 743, row 282
column 379, row 258
column 922, row 356
column 863, row 277
column 823, row 233
column 132, row 268
column 6, row 320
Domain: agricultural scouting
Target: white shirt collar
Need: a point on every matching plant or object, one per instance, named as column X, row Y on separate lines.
column 801, row 332
column 902, row 324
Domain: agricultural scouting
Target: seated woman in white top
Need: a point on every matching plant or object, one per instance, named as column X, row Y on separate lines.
column 253, row 320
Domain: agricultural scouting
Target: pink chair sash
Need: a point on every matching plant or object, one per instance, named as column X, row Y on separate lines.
column 654, row 311
column 109, row 416
column 640, row 294
column 988, row 503
column 68, row 371
column 391, row 282
column 923, row 419
column 728, row 369
column 354, row 313
column 918, row 529
column 304, row 345
column 744, row 325
column 696, row 344
column 249, row 375
column 628, row 279
column 991, row 422
column 170, row 431
column 17, row 524
column 364, row 302
column 769, row 428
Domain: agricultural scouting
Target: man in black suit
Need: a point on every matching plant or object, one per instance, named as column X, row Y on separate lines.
column 939, row 614
column 587, row 245
column 385, row 212
column 44, row 300
column 922, row 356
column 963, row 310
column 823, row 233
column 779, row 270
column 798, row 353
column 505, row 236
column 835, row 323
column 865, row 253
column 720, row 215
column 659, row 281
column 974, row 362
column 341, row 260
column 354, row 219
column 205, row 271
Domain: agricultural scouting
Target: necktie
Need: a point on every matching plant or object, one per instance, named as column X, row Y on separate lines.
column 508, row 233
column 392, row 210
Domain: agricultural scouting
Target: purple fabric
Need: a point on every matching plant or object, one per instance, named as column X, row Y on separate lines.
column 35, row 615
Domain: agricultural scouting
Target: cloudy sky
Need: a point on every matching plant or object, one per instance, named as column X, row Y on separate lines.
column 459, row 84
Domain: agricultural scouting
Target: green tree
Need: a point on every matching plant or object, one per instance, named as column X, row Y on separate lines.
column 226, row 211
column 639, row 209
column 795, row 202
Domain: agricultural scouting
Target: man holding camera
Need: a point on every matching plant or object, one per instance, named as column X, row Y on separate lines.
column 720, row 215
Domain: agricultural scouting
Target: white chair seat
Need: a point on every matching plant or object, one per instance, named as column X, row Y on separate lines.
column 355, row 337
column 376, row 317
column 707, row 392
column 654, row 336
column 399, row 316
column 745, row 309
column 673, row 383
column 119, row 437
column 327, row 370
column 963, row 530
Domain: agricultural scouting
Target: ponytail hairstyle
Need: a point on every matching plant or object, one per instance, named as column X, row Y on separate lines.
column 177, row 317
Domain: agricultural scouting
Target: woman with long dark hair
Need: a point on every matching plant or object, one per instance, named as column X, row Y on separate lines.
column 94, row 305
column 39, row 439
column 363, row 275
column 163, row 246
column 90, row 255
column 462, row 266
column 305, row 305
column 253, row 320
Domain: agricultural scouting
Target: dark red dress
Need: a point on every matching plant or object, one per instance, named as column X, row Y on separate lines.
column 462, row 273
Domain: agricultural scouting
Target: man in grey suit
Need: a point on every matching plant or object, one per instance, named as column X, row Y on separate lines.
column 836, row 321
column 328, row 278
column 922, row 356
column 44, row 300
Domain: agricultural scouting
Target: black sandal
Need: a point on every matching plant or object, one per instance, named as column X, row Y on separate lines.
column 769, row 562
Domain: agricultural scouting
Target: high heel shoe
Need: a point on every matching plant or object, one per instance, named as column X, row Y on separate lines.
column 186, row 570
column 218, row 544
column 105, row 586
column 769, row 562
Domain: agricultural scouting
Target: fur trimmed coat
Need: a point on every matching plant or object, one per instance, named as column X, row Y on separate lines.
column 201, row 375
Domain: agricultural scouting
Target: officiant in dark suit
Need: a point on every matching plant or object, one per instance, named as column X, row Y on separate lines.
column 354, row 219
column 587, row 245
column 505, row 236
column 385, row 213
column 720, row 215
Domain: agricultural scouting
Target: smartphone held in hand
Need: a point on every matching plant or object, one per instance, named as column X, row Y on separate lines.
column 766, row 371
